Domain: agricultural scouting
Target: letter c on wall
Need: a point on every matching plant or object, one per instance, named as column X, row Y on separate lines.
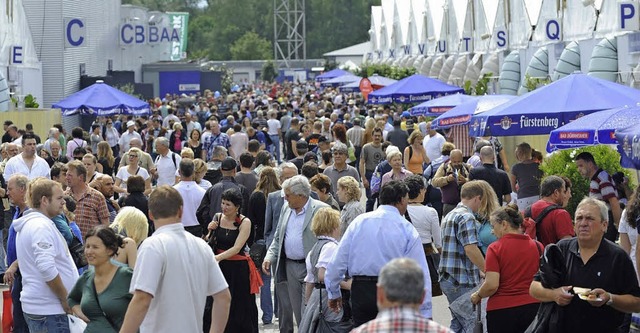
column 70, row 38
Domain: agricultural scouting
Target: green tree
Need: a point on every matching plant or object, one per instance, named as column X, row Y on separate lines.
column 166, row 5
column 251, row 47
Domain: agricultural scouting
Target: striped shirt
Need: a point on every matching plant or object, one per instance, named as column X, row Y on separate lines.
column 459, row 230
column 91, row 209
column 401, row 319
column 459, row 134
column 601, row 187
column 355, row 135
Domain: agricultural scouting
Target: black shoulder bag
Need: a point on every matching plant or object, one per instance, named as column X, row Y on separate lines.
column 95, row 293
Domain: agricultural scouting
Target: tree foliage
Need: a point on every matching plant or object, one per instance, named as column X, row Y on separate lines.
column 392, row 72
column 561, row 163
column 269, row 71
column 216, row 27
column 251, row 47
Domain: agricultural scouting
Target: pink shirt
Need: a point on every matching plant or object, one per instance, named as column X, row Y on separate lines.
column 387, row 177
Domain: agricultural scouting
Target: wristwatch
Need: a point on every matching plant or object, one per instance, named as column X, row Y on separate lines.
column 610, row 301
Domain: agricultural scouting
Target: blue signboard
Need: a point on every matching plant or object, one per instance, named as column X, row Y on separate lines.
column 173, row 82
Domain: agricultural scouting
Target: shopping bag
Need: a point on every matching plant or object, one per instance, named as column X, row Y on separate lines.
column 7, row 311
column 76, row 325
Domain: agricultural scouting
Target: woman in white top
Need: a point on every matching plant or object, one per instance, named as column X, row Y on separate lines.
column 200, row 171
column 133, row 168
column 628, row 228
column 275, row 132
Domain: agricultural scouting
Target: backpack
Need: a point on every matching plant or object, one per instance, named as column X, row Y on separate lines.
column 530, row 225
column 173, row 158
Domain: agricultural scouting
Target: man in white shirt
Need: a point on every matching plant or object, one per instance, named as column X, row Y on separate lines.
column 46, row 266
column 175, row 271
column 27, row 163
column 126, row 137
column 166, row 163
column 192, row 195
column 433, row 143
column 190, row 125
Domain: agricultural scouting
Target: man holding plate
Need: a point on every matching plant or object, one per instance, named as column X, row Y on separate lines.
column 601, row 281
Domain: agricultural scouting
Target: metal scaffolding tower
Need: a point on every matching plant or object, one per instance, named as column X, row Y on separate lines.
column 289, row 30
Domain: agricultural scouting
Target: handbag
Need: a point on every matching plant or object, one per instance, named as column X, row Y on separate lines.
column 478, row 327
column 257, row 252
column 325, row 326
column 76, row 325
column 76, row 248
column 433, row 260
column 213, row 234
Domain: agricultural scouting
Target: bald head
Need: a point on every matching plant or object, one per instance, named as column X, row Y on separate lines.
column 456, row 154
column 487, row 155
column 135, row 142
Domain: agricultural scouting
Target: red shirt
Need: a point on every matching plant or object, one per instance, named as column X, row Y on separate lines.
column 516, row 259
column 555, row 226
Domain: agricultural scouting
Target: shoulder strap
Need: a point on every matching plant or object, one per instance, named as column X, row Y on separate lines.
column 137, row 170
column 315, row 254
column 173, row 158
column 545, row 212
column 410, row 152
column 95, row 294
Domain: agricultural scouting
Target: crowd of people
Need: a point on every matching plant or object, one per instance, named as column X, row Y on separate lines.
column 354, row 215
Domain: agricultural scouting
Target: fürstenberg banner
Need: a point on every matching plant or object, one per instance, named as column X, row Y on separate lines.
column 180, row 22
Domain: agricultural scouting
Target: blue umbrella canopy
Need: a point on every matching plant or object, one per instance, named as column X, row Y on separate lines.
column 462, row 114
column 330, row 75
column 102, row 100
column 413, row 89
column 556, row 104
column 340, row 80
column 629, row 146
column 375, row 79
column 596, row 128
column 438, row 106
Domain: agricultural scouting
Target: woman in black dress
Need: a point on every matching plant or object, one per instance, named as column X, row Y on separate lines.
column 231, row 230
column 194, row 143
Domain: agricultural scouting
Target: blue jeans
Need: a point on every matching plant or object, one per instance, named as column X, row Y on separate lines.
column 370, row 200
column 266, row 302
column 275, row 140
column 453, row 292
column 47, row 324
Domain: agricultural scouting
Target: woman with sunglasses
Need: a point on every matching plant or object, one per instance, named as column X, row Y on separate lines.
column 132, row 168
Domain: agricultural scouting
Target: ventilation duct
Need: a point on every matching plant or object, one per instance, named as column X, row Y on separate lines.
column 538, row 68
column 510, row 74
column 604, row 60
column 569, row 61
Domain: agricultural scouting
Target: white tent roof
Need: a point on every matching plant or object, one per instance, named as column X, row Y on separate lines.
column 376, row 25
column 388, row 16
column 353, row 50
column 520, row 29
column 403, row 10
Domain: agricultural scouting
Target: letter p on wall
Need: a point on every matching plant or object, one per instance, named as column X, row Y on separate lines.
column 628, row 14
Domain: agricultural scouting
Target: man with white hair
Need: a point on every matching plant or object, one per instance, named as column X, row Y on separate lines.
column 53, row 135
column 400, row 291
column 166, row 163
column 55, row 154
column 292, row 242
column 126, row 137
column 190, row 125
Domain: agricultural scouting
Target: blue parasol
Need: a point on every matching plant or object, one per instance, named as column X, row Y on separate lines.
column 462, row 114
column 102, row 99
column 413, row 89
column 438, row 106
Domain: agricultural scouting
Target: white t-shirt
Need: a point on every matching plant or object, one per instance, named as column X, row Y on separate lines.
column 238, row 143
column 123, row 174
column 191, row 194
column 274, row 126
column 425, row 220
column 166, row 168
column 433, row 145
column 16, row 164
column 323, row 260
column 179, row 270
column 632, row 233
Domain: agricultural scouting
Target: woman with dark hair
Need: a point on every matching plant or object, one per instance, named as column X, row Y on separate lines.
column 339, row 132
column 321, row 184
column 511, row 263
column 77, row 141
column 263, row 159
column 101, row 295
column 136, row 198
column 229, row 232
column 267, row 183
column 194, row 142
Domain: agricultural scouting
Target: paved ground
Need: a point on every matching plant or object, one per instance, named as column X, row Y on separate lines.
column 441, row 314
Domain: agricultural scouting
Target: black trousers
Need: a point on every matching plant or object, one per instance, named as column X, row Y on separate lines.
column 363, row 300
column 511, row 320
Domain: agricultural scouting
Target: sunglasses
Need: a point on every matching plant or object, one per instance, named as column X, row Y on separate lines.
column 132, row 156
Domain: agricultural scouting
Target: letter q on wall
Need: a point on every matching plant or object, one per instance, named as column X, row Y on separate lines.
column 74, row 32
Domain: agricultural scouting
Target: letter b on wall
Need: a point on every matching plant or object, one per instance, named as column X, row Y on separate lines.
column 628, row 15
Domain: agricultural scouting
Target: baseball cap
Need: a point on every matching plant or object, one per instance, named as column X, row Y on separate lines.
column 228, row 164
